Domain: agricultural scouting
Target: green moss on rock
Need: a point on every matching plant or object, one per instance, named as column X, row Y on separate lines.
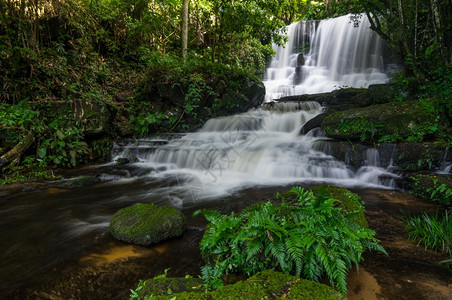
column 267, row 284
column 394, row 121
column 146, row 224
column 349, row 201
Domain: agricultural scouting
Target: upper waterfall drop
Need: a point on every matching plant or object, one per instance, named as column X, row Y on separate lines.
column 339, row 55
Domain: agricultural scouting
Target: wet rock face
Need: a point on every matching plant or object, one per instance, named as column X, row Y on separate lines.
column 408, row 156
column 147, row 224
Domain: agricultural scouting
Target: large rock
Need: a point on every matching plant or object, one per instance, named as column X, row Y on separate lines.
column 313, row 123
column 146, row 224
column 267, row 284
column 389, row 121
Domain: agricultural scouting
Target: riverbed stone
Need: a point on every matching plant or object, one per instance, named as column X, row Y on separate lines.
column 313, row 123
column 147, row 224
column 268, row 284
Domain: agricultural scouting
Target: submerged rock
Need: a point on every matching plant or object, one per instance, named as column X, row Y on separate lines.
column 146, row 224
column 81, row 181
column 267, row 284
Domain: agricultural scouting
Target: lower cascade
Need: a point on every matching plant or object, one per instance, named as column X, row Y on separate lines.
column 260, row 147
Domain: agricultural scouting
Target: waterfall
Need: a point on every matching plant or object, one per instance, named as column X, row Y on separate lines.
column 259, row 147
column 446, row 166
column 340, row 55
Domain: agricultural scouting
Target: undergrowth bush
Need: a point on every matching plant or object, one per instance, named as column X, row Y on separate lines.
column 308, row 238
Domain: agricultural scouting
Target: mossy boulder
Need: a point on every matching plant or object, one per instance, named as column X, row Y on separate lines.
column 147, row 224
column 395, row 121
column 349, row 202
column 267, row 284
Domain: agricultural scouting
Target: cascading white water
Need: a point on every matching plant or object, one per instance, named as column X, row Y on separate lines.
column 340, row 55
column 260, row 147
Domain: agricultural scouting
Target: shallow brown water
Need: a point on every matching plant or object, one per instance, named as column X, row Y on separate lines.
column 409, row 271
column 56, row 245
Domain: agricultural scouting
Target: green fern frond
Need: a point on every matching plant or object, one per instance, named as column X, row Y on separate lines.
column 310, row 238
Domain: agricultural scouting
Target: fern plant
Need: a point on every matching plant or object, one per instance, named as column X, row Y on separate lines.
column 308, row 238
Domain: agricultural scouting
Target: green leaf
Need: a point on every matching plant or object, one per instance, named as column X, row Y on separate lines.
column 42, row 152
column 60, row 135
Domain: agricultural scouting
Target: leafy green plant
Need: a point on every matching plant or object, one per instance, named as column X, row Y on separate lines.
column 63, row 147
column 197, row 91
column 433, row 231
column 134, row 294
column 145, row 123
column 308, row 238
column 431, row 188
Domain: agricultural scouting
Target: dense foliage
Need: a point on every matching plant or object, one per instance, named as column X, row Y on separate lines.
column 309, row 238
column 64, row 49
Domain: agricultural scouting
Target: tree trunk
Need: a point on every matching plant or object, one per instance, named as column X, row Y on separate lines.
column 16, row 152
column 184, row 29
